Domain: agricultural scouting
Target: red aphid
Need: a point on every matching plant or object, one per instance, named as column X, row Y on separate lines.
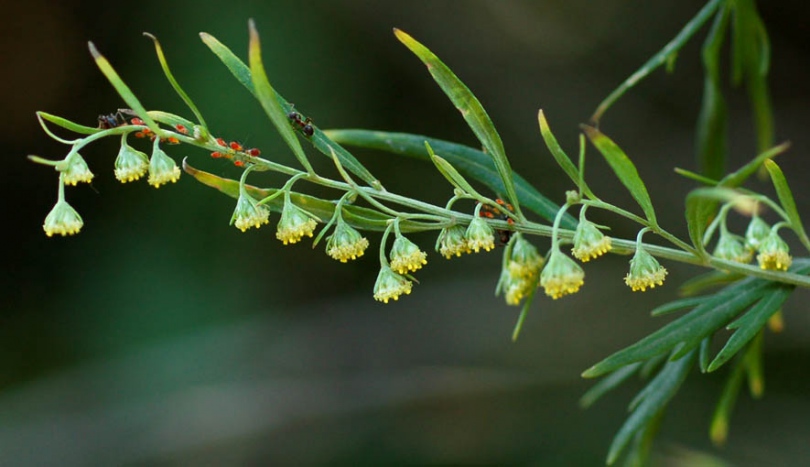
column 216, row 154
column 136, row 121
column 181, row 128
column 235, row 146
column 222, row 142
column 239, row 163
column 253, row 152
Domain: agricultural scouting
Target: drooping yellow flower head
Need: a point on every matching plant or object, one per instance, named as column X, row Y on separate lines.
column 62, row 220
column 774, row 253
column 294, row 224
column 249, row 213
column 589, row 242
column 561, row 276
column 451, row 242
column 130, row 165
column 645, row 271
column 731, row 249
column 77, row 170
column 162, row 168
column 756, row 232
column 480, row 235
column 524, row 260
column 406, row 256
column 345, row 243
column 390, row 285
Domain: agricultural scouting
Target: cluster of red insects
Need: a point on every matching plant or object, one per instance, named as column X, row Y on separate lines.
column 491, row 212
column 233, row 150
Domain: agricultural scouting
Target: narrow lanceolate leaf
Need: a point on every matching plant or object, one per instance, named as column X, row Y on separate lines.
column 739, row 177
column 686, row 332
column 677, row 305
column 451, row 174
column 787, row 200
column 701, row 207
column 236, row 66
column 655, row 397
column 624, row 169
column 358, row 217
column 607, row 384
column 749, row 324
column 712, row 122
column 470, row 108
column 470, row 162
column 560, row 156
column 664, row 56
column 718, row 429
column 269, row 100
column 122, row 89
column 67, row 124
column 168, row 72
column 242, row 74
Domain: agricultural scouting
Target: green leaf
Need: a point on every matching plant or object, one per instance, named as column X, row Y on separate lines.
column 660, row 58
column 701, row 207
column 470, row 162
column 624, row 169
column 749, row 324
column 470, row 108
column 677, row 305
column 712, row 122
column 269, row 100
column 686, row 332
column 180, row 92
column 750, row 61
column 696, row 177
column 358, row 217
column 739, row 177
column 607, row 384
column 560, row 156
column 122, row 89
column 67, row 124
column 704, row 354
column 786, row 198
column 236, row 66
column 452, row 175
column 718, row 429
column 322, row 143
column 655, row 397
column 707, row 280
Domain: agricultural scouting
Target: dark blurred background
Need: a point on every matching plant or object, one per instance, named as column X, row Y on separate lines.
column 162, row 336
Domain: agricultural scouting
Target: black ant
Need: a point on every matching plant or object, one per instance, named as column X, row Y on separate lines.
column 494, row 213
column 304, row 124
column 105, row 122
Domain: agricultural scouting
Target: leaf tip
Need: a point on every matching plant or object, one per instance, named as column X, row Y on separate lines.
column 591, row 372
column 151, row 36
column 93, row 50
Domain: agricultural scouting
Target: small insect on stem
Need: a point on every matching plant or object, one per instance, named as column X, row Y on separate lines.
column 105, row 122
column 304, row 124
column 494, row 213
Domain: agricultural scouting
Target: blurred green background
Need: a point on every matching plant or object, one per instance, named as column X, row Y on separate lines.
column 162, row 336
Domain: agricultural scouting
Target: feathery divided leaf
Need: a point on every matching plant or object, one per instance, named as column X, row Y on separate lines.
column 685, row 333
column 650, row 402
column 470, row 108
column 749, row 324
